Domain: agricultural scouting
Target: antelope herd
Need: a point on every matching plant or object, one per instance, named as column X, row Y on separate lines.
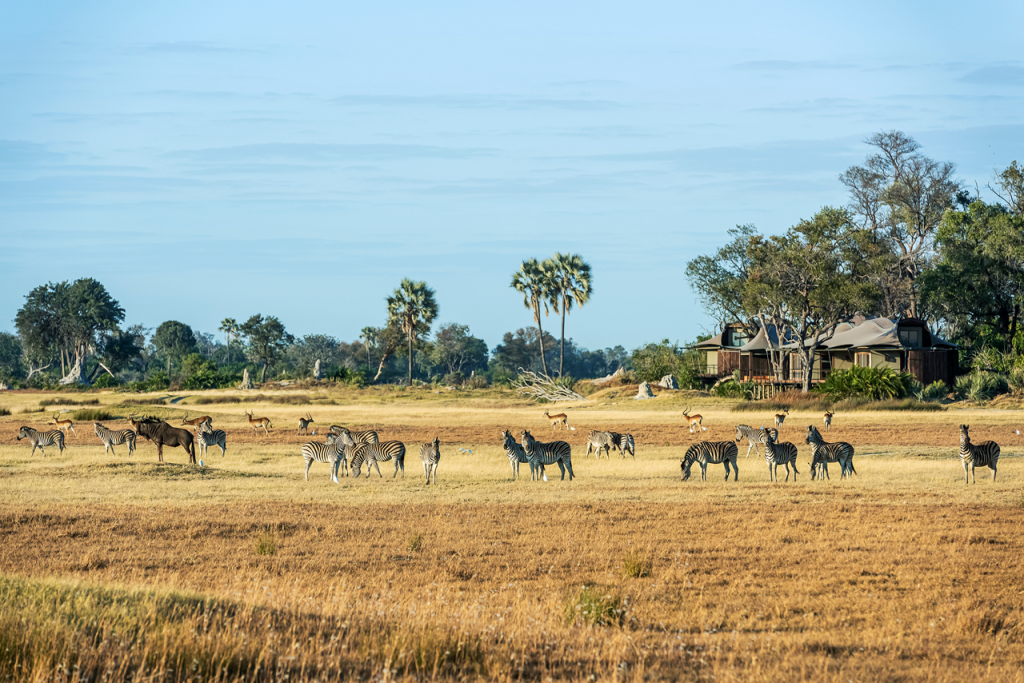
column 348, row 451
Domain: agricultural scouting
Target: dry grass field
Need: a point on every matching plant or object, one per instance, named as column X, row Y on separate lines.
column 119, row 568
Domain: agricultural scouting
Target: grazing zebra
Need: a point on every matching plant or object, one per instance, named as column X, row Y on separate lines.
column 548, row 453
column 111, row 438
column 985, row 454
column 828, row 420
column 599, row 441
column 373, row 453
column 822, row 453
column 517, row 454
column 706, row 453
column 207, row 436
column 755, row 436
column 54, row 437
column 623, row 443
column 332, row 454
column 304, row 423
column 776, row 454
column 430, row 454
column 368, row 436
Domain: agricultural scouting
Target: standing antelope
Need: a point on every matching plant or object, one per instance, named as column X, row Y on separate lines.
column 779, row 419
column 828, row 420
column 63, row 425
column 560, row 418
column 304, row 423
column 196, row 421
column 694, row 421
column 257, row 422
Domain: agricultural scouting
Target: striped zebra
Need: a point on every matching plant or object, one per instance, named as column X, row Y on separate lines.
column 755, row 436
column 367, row 436
column 374, row 453
column 985, row 454
column 822, row 453
column 706, row 453
column 599, row 441
column 111, row 438
column 332, row 454
column 54, row 437
column 780, row 454
column 548, row 453
column 623, row 443
column 517, row 455
column 207, row 436
column 430, row 454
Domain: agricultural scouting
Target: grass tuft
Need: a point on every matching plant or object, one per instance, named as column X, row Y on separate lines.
column 266, row 544
column 636, row 564
column 415, row 543
column 92, row 415
column 595, row 606
column 4, row 411
column 69, row 402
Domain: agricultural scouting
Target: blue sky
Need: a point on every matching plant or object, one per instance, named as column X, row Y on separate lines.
column 206, row 160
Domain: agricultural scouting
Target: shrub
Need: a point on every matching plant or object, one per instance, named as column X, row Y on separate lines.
column 636, row 564
column 872, row 383
column 981, row 386
column 92, row 415
column 453, row 379
column 415, row 543
column 69, row 402
column 595, row 606
column 733, row 389
column 158, row 381
column 936, row 391
column 652, row 362
column 266, row 544
column 1015, row 380
column 105, row 381
column 477, row 382
column 4, row 411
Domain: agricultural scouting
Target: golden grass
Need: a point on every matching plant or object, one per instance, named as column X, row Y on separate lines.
column 120, row 568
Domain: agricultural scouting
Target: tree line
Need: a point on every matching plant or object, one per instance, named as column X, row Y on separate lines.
column 73, row 333
column 912, row 242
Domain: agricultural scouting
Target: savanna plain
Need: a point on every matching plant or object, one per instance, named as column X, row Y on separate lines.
column 117, row 567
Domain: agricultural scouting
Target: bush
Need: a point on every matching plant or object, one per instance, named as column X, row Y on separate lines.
column 654, row 361
column 636, row 564
column 733, row 389
column 105, row 381
column 158, row 381
column 92, row 415
column 981, row 386
column 69, row 402
column 595, row 606
column 266, row 544
column 1015, row 380
column 4, row 411
column 453, row 379
column 936, row 391
column 415, row 543
column 872, row 383
column 477, row 382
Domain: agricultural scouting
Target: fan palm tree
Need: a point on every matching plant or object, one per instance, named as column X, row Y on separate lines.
column 532, row 281
column 412, row 308
column 569, row 275
column 229, row 326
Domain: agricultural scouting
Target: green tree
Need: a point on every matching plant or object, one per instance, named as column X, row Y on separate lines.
column 455, row 348
column 119, row 349
column 570, row 282
column 267, row 340
column 229, row 326
column 12, row 366
column 311, row 348
column 64, row 320
column 533, row 282
column 412, row 309
column 174, row 340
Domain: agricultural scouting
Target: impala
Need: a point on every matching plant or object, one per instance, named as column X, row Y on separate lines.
column 694, row 421
column 560, row 418
column 779, row 419
column 196, row 421
column 304, row 423
column 63, row 425
column 828, row 420
column 257, row 422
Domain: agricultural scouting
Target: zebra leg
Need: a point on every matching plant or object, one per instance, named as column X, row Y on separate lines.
column 334, row 473
column 223, row 449
column 309, row 462
column 568, row 466
column 375, row 464
column 993, row 466
column 751, row 446
column 735, row 471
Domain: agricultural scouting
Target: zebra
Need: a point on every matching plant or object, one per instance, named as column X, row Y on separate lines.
column 548, row 453
column 623, row 443
column 517, row 454
column 54, row 437
column 599, row 441
column 985, row 454
column 755, row 436
column 367, row 436
column 710, row 452
column 207, row 436
column 822, row 453
column 111, row 438
column 430, row 454
column 780, row 454
column 332, row 454
column 373, row 453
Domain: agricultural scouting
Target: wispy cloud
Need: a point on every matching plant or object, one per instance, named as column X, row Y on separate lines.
column 995, row 75
column 470, row 101
column 19, row 154
column 313, row 152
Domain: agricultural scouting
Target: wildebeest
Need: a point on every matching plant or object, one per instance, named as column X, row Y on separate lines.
column 163, row 434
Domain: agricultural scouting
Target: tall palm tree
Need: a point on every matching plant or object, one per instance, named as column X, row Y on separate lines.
column 570, row 282
column 412, row 308
column 229, row 326
column 532, row 281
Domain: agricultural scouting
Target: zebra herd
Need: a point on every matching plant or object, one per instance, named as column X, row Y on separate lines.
column 348, row 451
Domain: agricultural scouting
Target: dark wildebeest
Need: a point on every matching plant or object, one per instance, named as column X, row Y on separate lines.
column 163, row 434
